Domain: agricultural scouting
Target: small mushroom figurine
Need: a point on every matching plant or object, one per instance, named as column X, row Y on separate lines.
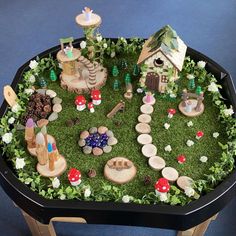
column 74, row 177
column 80, row 102
column 162, row 186
column 171, row 112
column 181, row 159
column 199, row 135
column 91, row 107
column 96, row 97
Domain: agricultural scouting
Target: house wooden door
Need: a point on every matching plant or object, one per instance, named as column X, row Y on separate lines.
column 152, row 81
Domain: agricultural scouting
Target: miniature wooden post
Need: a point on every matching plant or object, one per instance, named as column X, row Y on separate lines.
column 41, row 149
column 55, row 152
column 45, row 134
column 199, row 102
column 51, row 157
column 9, row 95
column 129, row 91
column 184, row 97
column 29, row 133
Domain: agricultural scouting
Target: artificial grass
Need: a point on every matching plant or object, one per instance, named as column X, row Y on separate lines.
column 176, row 135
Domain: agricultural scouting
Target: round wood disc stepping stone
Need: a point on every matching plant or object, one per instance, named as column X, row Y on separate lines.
column 144, row 118
column 50, row 139
column 170, row 174
column 184, row 182
column 152, row 102
column 156, row 163
column 149, row 150
column 146, row 109
column 144, row 139
column 119, row 170
column 60, row 167
column 143, row 128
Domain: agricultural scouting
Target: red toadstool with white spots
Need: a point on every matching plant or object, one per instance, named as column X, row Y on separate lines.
column 181, row 159
column 74, row 177
column 199, row 134
column 162, row 186
column 80, row 102
column 96, row 97
column 91, row 107
column 171, row 112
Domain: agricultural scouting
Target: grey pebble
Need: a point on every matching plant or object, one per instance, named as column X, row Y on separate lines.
column 53, row 116
column 93, row 130
column 87, row 150
column 107, row 149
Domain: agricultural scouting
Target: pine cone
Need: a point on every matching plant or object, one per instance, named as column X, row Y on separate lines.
column 147, row 180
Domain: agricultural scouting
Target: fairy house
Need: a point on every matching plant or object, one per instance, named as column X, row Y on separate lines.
column 163, row 57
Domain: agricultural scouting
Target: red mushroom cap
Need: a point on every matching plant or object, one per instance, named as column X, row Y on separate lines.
column 181, row 159
column 96, row 94
column 200, row 134
column 74, row 175
column 171, row 111
column 162, row 185
column 80, row 100
column 90, row 105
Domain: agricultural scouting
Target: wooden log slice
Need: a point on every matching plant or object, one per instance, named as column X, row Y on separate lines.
column 146, row 109
column 32, row 151
column 119, row 176
column 60, row 167
column 170, row 174
column 144, row 118
column 144, row 139
column 184, row 182
column 149, row 150
column 156, row 163
column 143, row 128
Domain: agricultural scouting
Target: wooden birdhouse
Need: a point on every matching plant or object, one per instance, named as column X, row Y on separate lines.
column 163, row 55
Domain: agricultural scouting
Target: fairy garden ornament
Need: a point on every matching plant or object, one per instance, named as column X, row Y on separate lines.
column 181, row 159
column 116, row 85
column 96, row 96
column 91, row 107
column 156, row 163
column 10, row 95
column 120, row 106
column 80, row 102
column 129, row 91
column 127, row 78
column 149, row 98
column 171, row 112
column 192, row 103
column 74, row 176
column 162, row 187
column 53, row 75
column 119, row 170
column 30, row 134
column 170, row 173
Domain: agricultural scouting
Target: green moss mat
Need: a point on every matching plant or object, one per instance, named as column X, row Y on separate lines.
column 127, row 146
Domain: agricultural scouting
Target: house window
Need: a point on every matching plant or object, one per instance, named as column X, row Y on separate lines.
column 158, row 62
column 164, row 79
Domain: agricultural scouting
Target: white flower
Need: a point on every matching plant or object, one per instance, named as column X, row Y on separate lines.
column 7, row 137
column 171, row 79
column 168, row 148
column 126, row 199
column 212, row 87
column 122, row 39
column 87, row 192
column 99, row 38
column 190, row 124
column 33, row 64
column 215, row 135
column 16, row 108
column 32, row 79
column 166, row 126
column 83, row 44
column 201, row 64
column 29, row 91
column 55, row 183
column 60, row 65
column 62, row 196
column 190, row 76
column 11, row 120
column 113, row 54
column 139, row 90
column 20, row 163
column 203, row 159
column 228, row 112
column 190, row 143
column 105, row 45
column 172, row 95
column 189, row 191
